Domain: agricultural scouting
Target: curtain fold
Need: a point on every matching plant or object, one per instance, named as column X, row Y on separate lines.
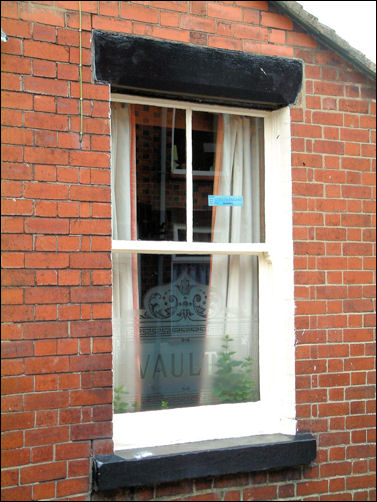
column 233, row 286
column 126, row 350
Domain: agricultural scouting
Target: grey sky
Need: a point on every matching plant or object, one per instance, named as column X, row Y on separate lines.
column 353, row 21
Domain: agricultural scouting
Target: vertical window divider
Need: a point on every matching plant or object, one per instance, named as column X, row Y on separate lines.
column 189, row 189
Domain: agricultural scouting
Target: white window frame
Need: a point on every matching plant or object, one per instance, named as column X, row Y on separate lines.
column 275, row 411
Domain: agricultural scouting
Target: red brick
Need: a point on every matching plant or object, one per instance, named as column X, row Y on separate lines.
column 46, row 86
column 88, row 362
column 17, row 277
column 360, row 421
column 11, row 82
column 361, row 451
column 44, row 33
column 69, row 381
column 354, row 135
column 268, row 49
column 16, row 493
column 43, row 472
column 15, row 64
column 16, row 349
column 91, row 397
column 357, row 482
column 260, row 493
column 101, row 311
column 44, row 243
column 37, row 365
column 13, row 46
column 100, row 210
column 139, row 13
column 90, row 159
column 46, row 121
column 9, row 477
column 45, row 312
column 72, row 450
column 197, row 23
column 46, row 226
column 17, row 385
column 44, row 50
column 72, row 486
column 203, row 496
column 169, row 19
column 46, row 260
column 308, row 367
column 11, row 458
column 44, row 103
column 46, row 208
column 10, row 404
column 328, row 118
column 353, row 106
column 44, row 490
column 42, row 454
column 90, row 260
column 46, row 138
column 103, row 446
column 309, row 277
column 331, row 147
column 109, row 9
column 17, row 313
column 16, row 28
column 83, row 193
column 43, row 15
column 79, row 467
column 46, row 435
column 355, row 164
column 95, row 328
column 91, row 431
column 180, row 6
column 301, row 40
column 16, row 136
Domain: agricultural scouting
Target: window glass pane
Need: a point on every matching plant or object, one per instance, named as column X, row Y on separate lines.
column 161, row 196
column 149, row 199
column 228, row 178
column 185, row 330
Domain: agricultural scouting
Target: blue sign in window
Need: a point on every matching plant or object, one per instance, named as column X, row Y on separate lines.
column 225, row 200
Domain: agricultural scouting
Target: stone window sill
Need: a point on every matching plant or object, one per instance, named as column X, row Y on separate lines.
column 162, row 464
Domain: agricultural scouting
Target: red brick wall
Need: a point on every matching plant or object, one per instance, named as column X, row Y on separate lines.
column 56, row 269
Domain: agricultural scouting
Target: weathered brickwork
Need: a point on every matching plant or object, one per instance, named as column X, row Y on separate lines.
column 56, row 261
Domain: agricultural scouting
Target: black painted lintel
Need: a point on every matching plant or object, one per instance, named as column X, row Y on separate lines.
column 142, row 66
column 147, row 466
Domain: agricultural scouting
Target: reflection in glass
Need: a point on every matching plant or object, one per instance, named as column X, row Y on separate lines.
column 161, row 198
column 228, row 160
column 190, row 341
column 148, row 198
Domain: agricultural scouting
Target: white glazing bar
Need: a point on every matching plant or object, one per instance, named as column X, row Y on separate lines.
column 189, row 194
column 126, row 98
column 175, row 247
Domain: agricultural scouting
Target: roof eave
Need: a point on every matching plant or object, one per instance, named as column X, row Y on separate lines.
column 327, row 36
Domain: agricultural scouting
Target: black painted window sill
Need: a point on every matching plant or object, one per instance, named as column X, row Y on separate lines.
column 161, row 464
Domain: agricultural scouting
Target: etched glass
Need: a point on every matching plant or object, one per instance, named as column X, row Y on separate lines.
column 190, row 342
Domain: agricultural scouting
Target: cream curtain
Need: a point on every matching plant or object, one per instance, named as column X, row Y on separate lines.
column 126, row 349
column 233, row 288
